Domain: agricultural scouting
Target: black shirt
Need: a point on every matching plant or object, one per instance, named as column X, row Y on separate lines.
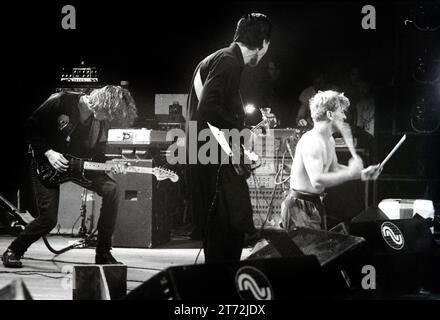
column 56, row 125
column 220, row 103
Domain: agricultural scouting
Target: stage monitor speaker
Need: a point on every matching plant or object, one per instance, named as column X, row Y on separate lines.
column 99, row 282
column 336, row 253
column 16, row 290
column 370, row 214
column 261, row 279
column 143, row 215
column 401, row 252
column 326, row 246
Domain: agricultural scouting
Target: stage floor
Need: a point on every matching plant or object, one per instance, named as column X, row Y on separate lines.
column 46, row 275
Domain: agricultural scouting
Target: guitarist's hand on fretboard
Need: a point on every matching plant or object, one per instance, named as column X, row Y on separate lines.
column 120, row 168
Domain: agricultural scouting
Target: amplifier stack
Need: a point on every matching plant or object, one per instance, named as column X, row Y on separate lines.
column 269, row 181
column 145, row 208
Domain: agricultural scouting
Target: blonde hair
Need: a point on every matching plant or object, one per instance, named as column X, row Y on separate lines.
column 325, row 101
column 117, row 102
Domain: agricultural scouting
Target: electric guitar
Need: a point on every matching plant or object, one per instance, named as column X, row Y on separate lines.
column 77, row 167
column 244, row 169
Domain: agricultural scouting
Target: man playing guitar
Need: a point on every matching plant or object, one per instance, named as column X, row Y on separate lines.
column 73, row 123
column 220, row 204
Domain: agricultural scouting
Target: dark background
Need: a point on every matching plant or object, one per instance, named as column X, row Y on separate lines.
column 156, row 46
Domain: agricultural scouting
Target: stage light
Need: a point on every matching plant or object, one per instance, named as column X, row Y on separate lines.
column 249, row 108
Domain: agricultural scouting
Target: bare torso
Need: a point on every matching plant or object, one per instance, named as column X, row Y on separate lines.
column 299, row 177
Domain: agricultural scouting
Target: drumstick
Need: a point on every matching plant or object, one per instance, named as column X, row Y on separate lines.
column 393, row 151
column 348, row 138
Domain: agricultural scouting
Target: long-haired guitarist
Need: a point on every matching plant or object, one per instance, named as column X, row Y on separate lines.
column 77, row 124
column 315, row 165
column 220, row 202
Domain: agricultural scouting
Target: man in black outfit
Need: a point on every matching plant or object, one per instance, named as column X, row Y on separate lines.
column 77, row 124
column 219, row 198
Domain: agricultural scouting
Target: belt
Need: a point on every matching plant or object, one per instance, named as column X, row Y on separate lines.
column 315, row 198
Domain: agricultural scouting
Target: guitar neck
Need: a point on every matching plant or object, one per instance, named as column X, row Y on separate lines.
column 98, row 166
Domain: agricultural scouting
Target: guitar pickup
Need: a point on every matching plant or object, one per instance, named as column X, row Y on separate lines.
column 127, row 151
column 139, row 154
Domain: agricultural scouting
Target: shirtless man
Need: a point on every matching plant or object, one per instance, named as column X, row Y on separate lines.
column 315, row 165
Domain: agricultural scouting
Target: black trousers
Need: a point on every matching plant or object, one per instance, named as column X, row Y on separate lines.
column 46, row 200
column 221, row 199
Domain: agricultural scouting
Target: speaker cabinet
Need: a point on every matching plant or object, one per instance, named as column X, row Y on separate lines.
column 143, row 216
column 263, row 279
column 337, row 253
column 401, row 251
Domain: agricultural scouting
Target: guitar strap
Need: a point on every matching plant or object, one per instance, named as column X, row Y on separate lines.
column 198, row 85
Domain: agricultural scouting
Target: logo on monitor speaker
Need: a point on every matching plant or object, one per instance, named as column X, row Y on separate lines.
column 252, row 284
column 392, row 235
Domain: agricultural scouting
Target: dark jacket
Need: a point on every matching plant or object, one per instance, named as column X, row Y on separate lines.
column 221, row 105
column 56, row 125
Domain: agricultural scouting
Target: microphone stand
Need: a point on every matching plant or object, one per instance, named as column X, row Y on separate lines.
column 88, row 239
column 83, row 232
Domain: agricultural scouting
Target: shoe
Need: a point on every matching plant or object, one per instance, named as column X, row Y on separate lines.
column 106, row 258
column 11, row 260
